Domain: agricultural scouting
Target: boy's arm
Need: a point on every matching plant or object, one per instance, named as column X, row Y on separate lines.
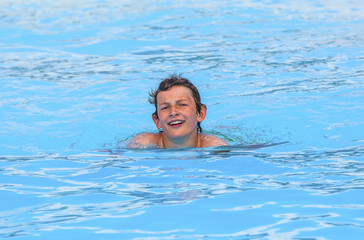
column 141, row 141
column 213, row 141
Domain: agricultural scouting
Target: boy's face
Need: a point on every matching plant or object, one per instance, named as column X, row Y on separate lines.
column 177, row 114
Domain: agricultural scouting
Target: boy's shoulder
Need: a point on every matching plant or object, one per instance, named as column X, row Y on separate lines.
column 143, row 140
column 212, row 141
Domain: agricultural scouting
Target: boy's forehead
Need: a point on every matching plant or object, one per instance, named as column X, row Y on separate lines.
column 175, row 92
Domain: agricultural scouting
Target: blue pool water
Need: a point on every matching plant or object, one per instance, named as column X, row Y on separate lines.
column 283, row 82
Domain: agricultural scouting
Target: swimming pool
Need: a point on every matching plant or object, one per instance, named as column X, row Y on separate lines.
column 282, row 81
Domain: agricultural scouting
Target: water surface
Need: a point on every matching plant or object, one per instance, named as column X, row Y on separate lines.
column 283, row 83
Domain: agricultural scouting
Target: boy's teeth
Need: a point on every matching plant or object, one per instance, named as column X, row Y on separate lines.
column 175, row 122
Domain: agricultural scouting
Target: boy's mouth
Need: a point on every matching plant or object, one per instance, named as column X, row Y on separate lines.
column 176, row 123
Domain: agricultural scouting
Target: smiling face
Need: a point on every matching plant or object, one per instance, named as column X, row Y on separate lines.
column 177, row 114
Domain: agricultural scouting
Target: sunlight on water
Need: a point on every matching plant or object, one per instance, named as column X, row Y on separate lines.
column 282, row 81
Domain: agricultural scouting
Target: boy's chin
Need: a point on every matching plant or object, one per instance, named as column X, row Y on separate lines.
column 178, row 134
column 175, row 133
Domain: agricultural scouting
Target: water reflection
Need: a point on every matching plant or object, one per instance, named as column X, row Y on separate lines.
column 140, row 180
column 75, row 73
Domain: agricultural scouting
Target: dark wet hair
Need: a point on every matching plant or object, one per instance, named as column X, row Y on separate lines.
column 177, row 80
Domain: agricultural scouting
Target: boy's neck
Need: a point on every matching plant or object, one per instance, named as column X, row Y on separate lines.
column 193, row 141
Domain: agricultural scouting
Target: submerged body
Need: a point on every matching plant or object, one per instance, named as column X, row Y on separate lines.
column 145, row 140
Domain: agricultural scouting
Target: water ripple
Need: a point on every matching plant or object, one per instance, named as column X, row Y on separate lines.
column 76, row 75
column 144, row 181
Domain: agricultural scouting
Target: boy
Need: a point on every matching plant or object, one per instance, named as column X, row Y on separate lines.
column 179, row 113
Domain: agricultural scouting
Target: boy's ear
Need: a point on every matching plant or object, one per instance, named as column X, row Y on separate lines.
column 156, row 121
column 201, row 116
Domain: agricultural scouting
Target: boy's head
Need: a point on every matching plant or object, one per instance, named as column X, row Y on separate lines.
column 177, row 80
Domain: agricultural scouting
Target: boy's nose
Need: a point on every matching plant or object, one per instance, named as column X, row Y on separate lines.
column 173, row 111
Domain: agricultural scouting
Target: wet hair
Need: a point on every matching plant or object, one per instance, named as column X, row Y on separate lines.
column 177, row 80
